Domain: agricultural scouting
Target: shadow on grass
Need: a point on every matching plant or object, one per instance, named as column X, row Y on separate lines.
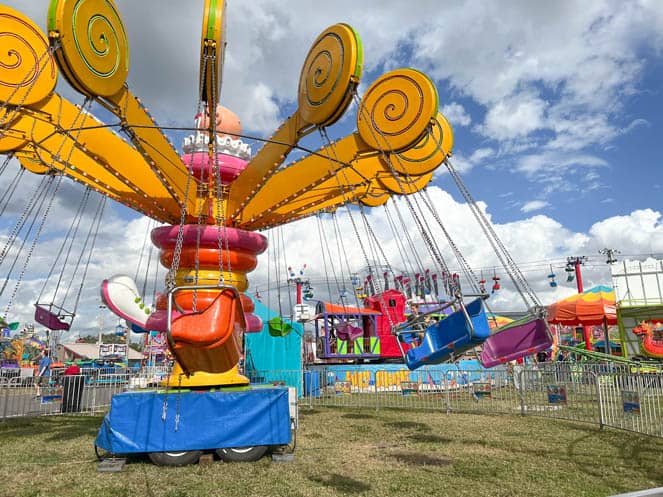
column 418, row 459
column 641, row 454
column 429, row 438
column 58, row 428
column 357, row 415
column 307, row 412
column 341, row 483
column 408, row 425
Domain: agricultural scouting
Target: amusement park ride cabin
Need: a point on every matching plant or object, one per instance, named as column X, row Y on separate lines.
column 215, row 197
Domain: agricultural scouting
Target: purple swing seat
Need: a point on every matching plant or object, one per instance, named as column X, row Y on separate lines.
column 345, row 331
column 50, row 319
column 514, row 341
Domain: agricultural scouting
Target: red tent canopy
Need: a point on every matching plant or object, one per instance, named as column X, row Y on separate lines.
column 585, row 309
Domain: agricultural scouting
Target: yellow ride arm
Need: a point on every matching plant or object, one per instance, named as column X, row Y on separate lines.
column 59, row 136
column 347, row 171
column 331, row 73
column 92, row 50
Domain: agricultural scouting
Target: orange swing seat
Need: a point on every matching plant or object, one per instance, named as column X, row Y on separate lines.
column 209, row 339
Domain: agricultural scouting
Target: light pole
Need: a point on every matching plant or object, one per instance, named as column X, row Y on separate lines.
column 575, row 263
column 102, row 307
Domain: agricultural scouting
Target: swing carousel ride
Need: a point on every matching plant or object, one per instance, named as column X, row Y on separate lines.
column 215, row 198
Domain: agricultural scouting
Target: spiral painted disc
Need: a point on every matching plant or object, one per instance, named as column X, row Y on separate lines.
column 397, row 110
column 330, row 73
column 429, row 152
column 28, row 72
column 94, row 55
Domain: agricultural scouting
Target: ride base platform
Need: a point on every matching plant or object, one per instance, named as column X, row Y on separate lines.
column 182, row 420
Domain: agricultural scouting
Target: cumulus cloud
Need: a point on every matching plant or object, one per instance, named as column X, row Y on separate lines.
column 641, row 231
column 456, row 114
column 514, row 117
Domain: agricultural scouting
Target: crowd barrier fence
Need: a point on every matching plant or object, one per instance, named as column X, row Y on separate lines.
column 600, row 394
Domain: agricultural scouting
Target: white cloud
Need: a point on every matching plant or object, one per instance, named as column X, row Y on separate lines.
column 636, row 123
column 534, row 205
column 456, row 114
column 514, row 117
column 639, row 232
column 546, row 165
column 262, row 111
column 481, row 154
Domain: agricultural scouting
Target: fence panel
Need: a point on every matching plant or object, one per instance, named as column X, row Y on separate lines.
column 632, row 402
column 560, row 392
column 341, row 388
column 62, row 394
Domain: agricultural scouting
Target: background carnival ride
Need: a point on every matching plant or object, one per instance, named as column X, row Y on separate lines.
column 215, row 197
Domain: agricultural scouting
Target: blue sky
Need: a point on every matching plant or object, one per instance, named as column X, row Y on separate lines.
column 556, row 109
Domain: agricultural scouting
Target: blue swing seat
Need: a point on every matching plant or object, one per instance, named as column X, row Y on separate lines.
column 452, row 335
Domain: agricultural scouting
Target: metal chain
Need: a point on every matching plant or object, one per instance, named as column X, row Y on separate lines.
column 5, row 163
column 222, row 233
column 10, row 303
column 179, row 401
column 68, row 239
column 428, row 241
column 170, row 277
column 323, row 244
column 11, row 189
column 27, row 210
column 504, row 256
column 465, row 267
column 98, row 217
column 376, row 281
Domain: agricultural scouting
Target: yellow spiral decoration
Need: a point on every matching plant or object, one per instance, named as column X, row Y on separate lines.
column 330, row 73
column 95, row 53
column 27, row 70
column 396, row 110
column 429, row 152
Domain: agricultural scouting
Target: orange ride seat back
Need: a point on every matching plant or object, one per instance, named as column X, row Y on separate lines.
column 209, row 340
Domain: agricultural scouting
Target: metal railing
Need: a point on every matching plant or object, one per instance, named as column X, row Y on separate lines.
column 83, row 393
column 600, row 394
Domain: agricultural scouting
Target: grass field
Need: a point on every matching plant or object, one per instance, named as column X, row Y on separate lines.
column 353, row 453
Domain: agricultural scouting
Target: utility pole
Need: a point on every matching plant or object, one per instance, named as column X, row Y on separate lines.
column 575, row 263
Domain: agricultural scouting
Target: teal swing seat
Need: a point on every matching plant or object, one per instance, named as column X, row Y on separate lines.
column 451, row 336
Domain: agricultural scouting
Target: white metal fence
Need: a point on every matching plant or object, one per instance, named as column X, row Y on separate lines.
column 600, row 394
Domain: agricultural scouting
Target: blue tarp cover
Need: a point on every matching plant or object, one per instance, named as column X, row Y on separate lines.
column 207, row 420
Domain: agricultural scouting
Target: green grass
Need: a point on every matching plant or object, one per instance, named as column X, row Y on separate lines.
column 353, row 453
